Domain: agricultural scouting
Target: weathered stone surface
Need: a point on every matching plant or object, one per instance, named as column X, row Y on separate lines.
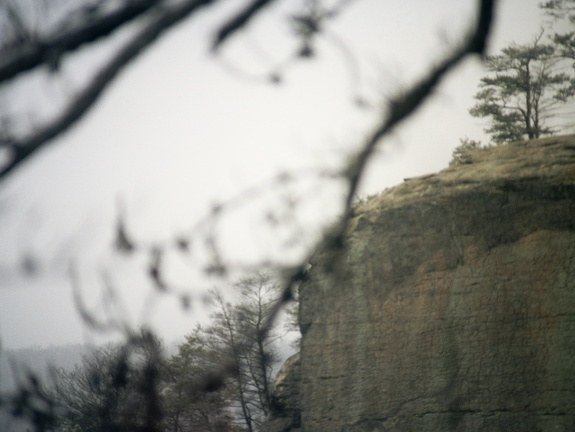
column 285, row 415
column 452, row 306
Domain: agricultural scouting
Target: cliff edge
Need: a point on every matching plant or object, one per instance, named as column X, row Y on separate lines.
column 452, row 305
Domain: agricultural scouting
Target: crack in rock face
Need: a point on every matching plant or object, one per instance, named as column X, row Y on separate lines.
column 452, row 304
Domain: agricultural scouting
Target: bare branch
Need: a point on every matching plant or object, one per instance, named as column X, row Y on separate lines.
column 400, row 108
column 239, row 21
column 85, row 99
column 31, row 54
column 406, row 104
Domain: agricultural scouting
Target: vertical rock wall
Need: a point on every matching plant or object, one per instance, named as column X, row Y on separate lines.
column 452, row 305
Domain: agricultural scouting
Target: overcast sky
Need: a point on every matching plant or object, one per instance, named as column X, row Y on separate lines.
column 181, row 130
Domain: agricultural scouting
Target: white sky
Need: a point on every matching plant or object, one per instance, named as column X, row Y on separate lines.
column 178, row 132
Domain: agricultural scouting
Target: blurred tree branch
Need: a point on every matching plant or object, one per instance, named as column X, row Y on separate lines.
column 86, row 98
column 165, row 15
column 32, row 53
column 28, row 54
column 400, row 108
column 239, row 21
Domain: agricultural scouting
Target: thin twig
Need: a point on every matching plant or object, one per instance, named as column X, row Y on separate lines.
column 31, row 54
column 239, row 21
column 85, row 100
column 400, row 108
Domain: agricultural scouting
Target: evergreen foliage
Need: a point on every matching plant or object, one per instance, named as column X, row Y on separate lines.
column 461, row 154
column 524, row 89
column 562, row 10
column 186, row 405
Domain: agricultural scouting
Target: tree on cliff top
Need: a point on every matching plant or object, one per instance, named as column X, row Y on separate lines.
column 562, row 10
column 524, row 89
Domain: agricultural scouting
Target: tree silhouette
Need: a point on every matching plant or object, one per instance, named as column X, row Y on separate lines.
column 563, row 10
column 115, row 388
column 525, row 87
column 186, row 405
column 79, row 25
column 238, row 331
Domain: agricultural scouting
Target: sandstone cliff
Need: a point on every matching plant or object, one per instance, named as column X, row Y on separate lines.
column 452, row 305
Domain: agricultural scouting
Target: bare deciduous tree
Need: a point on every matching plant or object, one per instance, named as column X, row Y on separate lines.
column 115, row 388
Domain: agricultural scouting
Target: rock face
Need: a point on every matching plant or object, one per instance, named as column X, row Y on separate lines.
column 286, row 411
column 452, row 305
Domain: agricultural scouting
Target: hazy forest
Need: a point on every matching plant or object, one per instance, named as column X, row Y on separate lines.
column 241, row 281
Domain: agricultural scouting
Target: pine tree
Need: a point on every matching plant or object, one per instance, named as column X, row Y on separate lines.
column 524, row 89
column 563, row 11
column 186, row 405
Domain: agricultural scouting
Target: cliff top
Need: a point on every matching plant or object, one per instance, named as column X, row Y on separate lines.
column 550, row 159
